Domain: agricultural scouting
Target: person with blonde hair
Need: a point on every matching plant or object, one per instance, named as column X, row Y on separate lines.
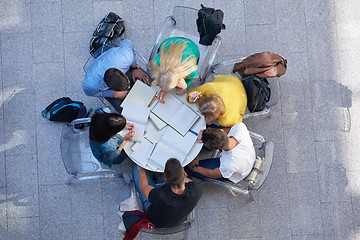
column 223, row 99
column 175, row 66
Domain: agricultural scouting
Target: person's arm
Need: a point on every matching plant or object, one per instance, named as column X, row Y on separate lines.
column 145, row 188
column 211, row 173
column 120, row 94
column 111, row 155
column 161, row 96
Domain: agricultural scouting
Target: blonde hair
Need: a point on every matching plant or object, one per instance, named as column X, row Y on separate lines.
column 171, row 69
column 211, row 106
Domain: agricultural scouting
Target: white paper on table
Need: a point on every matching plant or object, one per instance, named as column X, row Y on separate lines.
column 162, row 153
column 175, row 113
column 142, row 152
column 140, row 94
column 158, row 123
column 137, row 115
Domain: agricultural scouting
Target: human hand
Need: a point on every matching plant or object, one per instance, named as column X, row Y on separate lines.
column 199, row 137
column 129, row 136
column 161, row 96
column 193, row 96
column 120, row 94
column 194, row 162
column 129, row 126
column 139, row 74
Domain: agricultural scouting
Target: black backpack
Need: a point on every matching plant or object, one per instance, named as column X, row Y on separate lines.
column 109, row 28
column 209, row 24
column 65, row 110
column 257, row 92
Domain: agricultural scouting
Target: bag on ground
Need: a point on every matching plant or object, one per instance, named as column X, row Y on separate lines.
column 109, row 28
column 257, row 91
column 65, row 110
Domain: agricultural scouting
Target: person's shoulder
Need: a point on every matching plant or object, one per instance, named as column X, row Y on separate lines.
column 194, row 187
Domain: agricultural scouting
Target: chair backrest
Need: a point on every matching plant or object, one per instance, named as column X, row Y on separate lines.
column 181, row 228
column 77, row 155
column 182, row 23
column 226, row 67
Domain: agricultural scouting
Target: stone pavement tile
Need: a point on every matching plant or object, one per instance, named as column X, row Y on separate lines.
column 325, row 93
column 46, row 17
column 348, row 35
column 213, row 197
column 214, row 223
column 17, row 67
column 336, row 221
column 51, row 168
column 19, row 125
column 114, row 191
column 279, row 164
column 274, row 190
column 104, row 7
column 305, row 218
column 299, row 142
column 76, row 54
column 319, row 10
column 298, row 69
column 295, row 96
column 353, row 141
column 333, row 178
column 267, row 41
column 275, row 221
column 138, row 18
column 3, row 217
column 330, row 154
column 347, row 10
column 49, row 86
column 143, row 47
column 259, row 12
column 22, row 186
column 2, row 169
column 88, row 226
column 321, row 40
column 355, row 201
column 303, row 188
column 55, row 204
column 15, row 17
column 163, row 9
column 288, row 12
column 193, row 231
column 111, row 226
column 86, row 197
column 48, row 46
column 75, row 22
column 330, row 123
column 244, row 220
column 353, row 187
column 291, row 37
column 25, row 228
column 56, row 231
column 271, row 128
column 196, row 3
column 308, row 237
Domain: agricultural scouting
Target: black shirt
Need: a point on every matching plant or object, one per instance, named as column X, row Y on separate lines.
column 169, row 209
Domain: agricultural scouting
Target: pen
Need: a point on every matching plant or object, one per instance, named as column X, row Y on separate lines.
column 152, row 101
column 193, row 132
column 197, row 97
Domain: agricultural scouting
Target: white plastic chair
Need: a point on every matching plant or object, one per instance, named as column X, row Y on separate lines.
column 77, row 156
column 264, row 150
column 182, row 23
column 225, row 68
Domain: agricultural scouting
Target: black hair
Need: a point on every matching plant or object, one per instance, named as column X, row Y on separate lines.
column 104, row 125
column 116, row 80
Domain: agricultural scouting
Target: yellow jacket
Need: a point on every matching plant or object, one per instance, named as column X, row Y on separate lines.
column 232, row 92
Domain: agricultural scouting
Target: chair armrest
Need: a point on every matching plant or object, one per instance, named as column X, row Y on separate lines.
column 257, row 136
column 255, row 114
column 226, row 63
column 78, row 121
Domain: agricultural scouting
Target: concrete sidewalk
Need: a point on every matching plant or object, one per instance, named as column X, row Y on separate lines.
column 313, row 189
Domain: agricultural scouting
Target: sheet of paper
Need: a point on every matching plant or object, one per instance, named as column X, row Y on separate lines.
column 168, row 110
column 184, row 119
column 140, row 94
column 139, row 131
column 181, row 144
column 162, row 153
column 143, row 151
column 158, row 123
column 135, row 113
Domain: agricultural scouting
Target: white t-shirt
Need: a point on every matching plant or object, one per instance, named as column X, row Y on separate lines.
column 237, row 163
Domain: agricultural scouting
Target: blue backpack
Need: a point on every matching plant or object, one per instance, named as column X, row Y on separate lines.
column 65, row 110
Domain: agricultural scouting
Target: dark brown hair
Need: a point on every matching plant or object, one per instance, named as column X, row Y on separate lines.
column 174, row 173
column 215, row 138
column 116, row 80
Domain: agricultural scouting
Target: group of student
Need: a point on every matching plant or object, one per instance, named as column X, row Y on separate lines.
column 112, row 75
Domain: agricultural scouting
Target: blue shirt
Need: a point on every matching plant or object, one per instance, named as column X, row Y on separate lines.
column 122, row 58
column 108, row 153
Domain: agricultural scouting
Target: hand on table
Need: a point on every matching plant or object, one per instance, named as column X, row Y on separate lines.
column 199, row 137
column 129, row 136
column 194, row 96
column 120, row 94
column 129, row 126
column 161, row 96
column 139, row 74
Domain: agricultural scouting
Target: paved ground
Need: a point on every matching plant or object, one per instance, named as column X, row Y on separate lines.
column 313, row 189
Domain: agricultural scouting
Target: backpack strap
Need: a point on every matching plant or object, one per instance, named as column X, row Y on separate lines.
column 45, row 112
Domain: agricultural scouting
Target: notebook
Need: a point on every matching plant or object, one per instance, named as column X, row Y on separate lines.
column 172, row 145
column 176, row 114
column 140, row 94
column 143, row 151
column 137, row 115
